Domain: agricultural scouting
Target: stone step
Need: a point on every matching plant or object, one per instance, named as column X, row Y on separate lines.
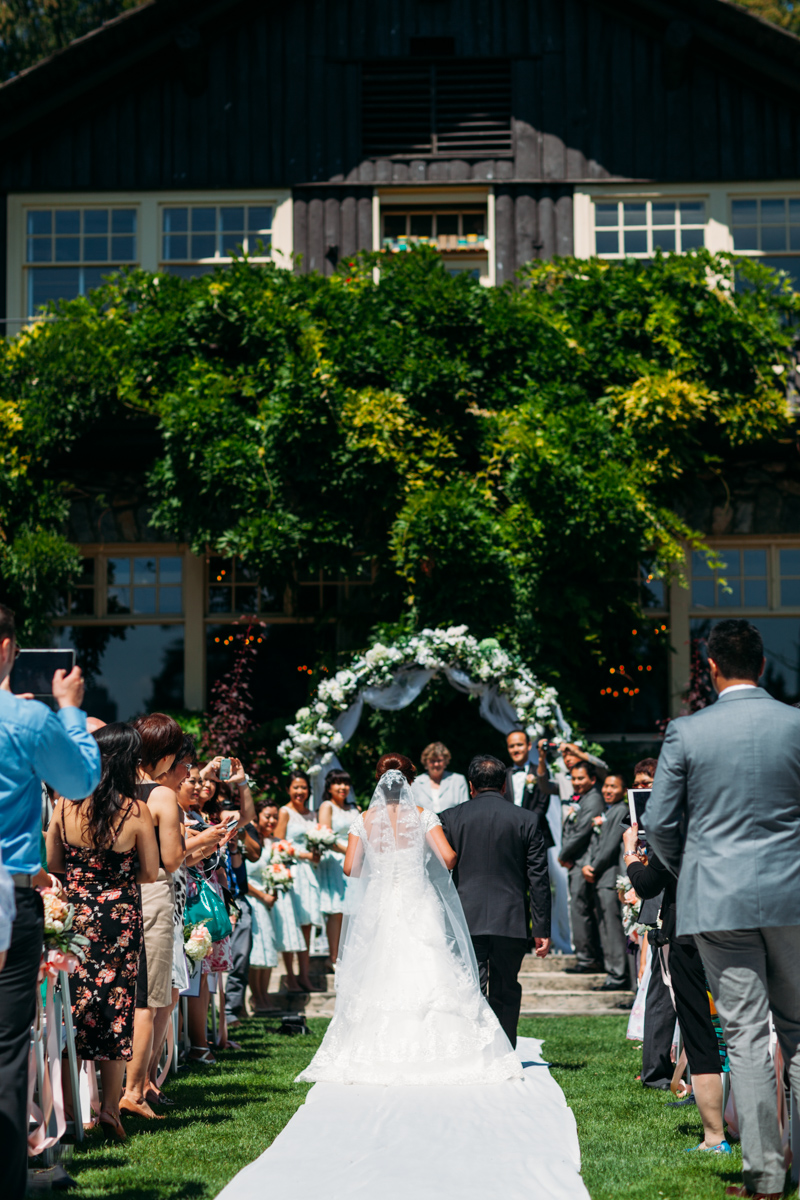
column 553, row 962
column 557, row 981
column 534, row 1003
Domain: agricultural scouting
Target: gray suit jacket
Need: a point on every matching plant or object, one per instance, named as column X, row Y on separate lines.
column 605, row 848
column 725, row 811
column 577, row 835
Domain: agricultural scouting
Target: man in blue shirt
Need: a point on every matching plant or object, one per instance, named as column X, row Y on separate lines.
column 35, row 744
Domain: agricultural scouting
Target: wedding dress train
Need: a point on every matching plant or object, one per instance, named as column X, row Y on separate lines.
column 409, row 1009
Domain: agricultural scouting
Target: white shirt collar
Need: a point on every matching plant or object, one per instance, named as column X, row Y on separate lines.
column 737, row 687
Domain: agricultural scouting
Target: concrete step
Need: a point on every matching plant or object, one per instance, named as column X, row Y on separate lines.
column 534, row 1003
column 557, row 981
column 553, row 962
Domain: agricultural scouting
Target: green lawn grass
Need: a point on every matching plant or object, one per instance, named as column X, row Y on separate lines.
column 632, row 1145
column 226, row 1115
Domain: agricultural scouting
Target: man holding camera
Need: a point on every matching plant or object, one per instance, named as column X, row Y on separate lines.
column 725, row 813
column 35, row 744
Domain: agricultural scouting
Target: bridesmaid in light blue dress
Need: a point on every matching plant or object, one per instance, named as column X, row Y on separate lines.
column 338, row 813
column 293, row 822
column 289, row 938
column 264, row 950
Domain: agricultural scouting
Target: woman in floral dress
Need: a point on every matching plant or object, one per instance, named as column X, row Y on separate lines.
column 106, row 846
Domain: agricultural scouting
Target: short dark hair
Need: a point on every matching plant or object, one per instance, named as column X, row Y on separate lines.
column 647, row 766
column 583, row 765
column 486, row 773
column 161, row 736
column 336, row 775
column 519, row 729
column 395, row 762
column 8, row 628
column 737, row 648
column 188, row 751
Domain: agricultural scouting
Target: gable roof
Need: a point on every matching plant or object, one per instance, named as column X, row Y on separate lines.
column 724, row 28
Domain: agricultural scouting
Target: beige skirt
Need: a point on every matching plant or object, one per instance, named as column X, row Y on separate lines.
column 155, row 966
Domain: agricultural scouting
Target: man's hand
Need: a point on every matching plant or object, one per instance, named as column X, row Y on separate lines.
column 566, row 865
column 68, row 689
column 588, row 873
column 542, row 947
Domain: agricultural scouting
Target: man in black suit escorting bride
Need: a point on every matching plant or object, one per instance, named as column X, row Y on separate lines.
column 502, row 879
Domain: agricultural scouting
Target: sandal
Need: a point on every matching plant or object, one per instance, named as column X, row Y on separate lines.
column 203, row 1055
column 111, row 1127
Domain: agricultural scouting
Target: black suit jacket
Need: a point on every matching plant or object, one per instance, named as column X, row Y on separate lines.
column 535, row 801
column 501, row 873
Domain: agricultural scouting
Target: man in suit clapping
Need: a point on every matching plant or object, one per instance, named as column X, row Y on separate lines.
column 725, row 810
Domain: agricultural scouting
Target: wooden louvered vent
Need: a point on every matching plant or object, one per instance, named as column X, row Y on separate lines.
column 455, row 108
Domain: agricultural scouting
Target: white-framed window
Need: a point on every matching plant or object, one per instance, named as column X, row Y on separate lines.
column 763, row 577
column 195, row 238
column 69, row 249
column 768, row 228
column 59, row 246
column 634, row 228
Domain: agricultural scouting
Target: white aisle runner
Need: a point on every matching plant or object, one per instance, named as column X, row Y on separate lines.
column 514, row 1140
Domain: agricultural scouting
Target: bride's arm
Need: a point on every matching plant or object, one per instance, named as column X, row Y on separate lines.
column 355, row 852
column 442, row 847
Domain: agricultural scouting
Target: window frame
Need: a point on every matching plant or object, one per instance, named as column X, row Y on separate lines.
column 148, row 229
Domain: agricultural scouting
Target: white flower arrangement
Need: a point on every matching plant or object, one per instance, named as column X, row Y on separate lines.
column 196, row 941
column 313, row 738
column 320, row 837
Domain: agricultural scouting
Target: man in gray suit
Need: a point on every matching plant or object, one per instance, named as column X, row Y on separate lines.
column 574, row 855
column 725, row 809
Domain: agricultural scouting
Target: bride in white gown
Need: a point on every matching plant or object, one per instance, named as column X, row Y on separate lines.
column 409, row 1009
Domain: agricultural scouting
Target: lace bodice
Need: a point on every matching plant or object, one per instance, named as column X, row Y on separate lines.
column 428, row 820
column 342, row 821
column 297, row 829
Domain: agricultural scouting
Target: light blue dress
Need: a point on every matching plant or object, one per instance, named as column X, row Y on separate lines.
column 332, row 879
column 305, row 893
column 288, row 934
column 264, row 951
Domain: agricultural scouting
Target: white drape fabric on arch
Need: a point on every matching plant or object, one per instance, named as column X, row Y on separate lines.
column 406, row 687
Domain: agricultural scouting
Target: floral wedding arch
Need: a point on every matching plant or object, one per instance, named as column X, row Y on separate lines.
column 392, row 677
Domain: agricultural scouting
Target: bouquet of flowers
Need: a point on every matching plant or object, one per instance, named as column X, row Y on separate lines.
column 277, row 878
column 631, row 905
column 283, row 852
column 320, row 838
column 63, row 947
column 196, row 941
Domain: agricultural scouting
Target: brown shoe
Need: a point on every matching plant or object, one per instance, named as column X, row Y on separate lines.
column 141, row 1109
column 746, row 1194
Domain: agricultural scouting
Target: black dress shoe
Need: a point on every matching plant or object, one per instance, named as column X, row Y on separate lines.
column 584, row 969
column 611, row 986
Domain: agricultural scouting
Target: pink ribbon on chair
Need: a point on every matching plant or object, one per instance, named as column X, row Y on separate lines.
column 52, row 1095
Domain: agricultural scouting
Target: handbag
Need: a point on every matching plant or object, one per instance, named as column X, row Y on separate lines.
column 208, row 907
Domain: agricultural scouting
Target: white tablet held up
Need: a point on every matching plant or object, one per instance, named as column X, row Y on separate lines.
column 637, row 802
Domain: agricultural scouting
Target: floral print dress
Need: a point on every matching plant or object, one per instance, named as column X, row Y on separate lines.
column 108, row 911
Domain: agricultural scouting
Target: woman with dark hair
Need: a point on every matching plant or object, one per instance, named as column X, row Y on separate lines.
column 337, row 812
column 293, row 822
column 105, row 846
column 162, row 742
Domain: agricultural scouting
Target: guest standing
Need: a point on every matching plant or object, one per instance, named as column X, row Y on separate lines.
column 337, row 813
column 289, row 938
column 261, row 900
column 293, row 822
column 162, row 742
column 439, row 789
column 604, row 866
column 725, row 810
column 575, row 849
column 35, row 745
column 105, row 846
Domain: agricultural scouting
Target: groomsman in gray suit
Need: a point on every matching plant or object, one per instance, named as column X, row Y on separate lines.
column 725, row 809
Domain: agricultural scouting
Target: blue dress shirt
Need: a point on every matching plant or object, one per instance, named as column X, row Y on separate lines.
column 37, row 744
